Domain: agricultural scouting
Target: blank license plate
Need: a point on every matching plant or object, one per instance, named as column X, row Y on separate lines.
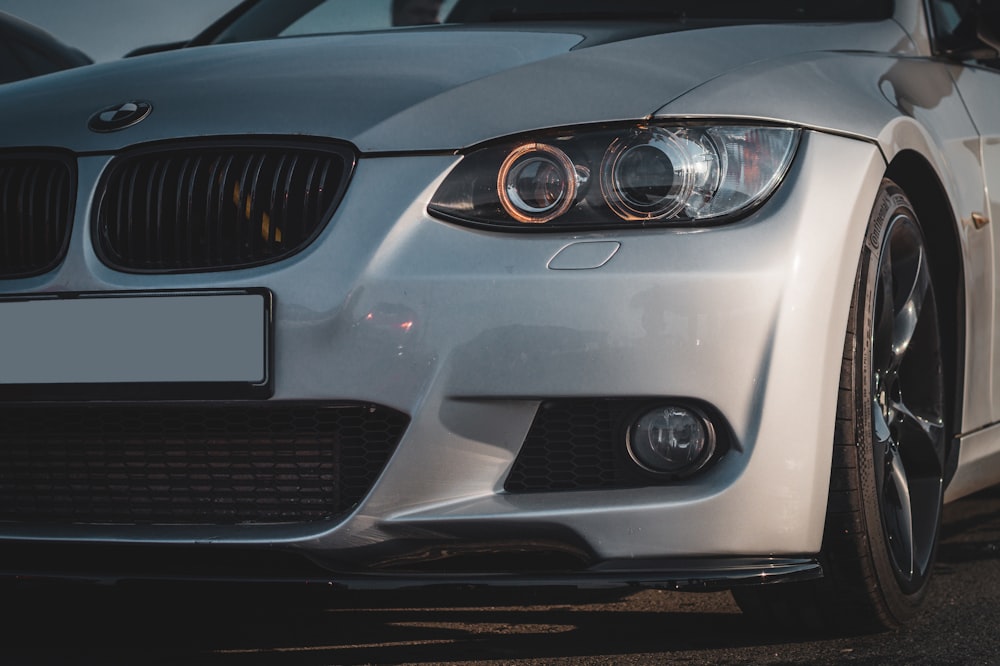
column 128, row 338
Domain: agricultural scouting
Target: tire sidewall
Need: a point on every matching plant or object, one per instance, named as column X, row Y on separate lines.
column 900, row 604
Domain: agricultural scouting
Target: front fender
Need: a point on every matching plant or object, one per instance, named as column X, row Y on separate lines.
column 900, row 104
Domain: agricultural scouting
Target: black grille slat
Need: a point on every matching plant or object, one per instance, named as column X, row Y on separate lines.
column 220, row 199
column 26, row 202
column 179, row 233
column 311, row 186
column 120, row 218
column 45, row 230
column 254, row 214
column 288, row 186
column 150, row 198
column 4, row 215
column 241, row 198
column 161, row 201
column 224, row 207
column 130, row 211
column 36, row 211
column 183, row 464
column 276, row 196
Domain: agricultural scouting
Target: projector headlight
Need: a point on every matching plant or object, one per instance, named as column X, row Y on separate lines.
column 649, row 174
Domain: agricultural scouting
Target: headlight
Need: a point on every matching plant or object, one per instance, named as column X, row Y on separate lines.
column 647, row 174
column 537, row 183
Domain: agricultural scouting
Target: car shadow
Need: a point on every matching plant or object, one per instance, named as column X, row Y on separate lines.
column 250, row 626
column 970, row 530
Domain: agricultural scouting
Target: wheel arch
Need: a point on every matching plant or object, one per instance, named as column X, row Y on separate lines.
column 915, row 175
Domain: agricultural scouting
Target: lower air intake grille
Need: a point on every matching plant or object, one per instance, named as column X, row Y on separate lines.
column 197, row 207
column 36, row 210
column 571, row 446
column 182, row 464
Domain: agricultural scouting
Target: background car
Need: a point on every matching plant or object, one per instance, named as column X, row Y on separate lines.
column 27, row 51
column 267, row 19
column 583, row 293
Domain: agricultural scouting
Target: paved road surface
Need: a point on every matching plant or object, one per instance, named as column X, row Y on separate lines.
column 65, row 625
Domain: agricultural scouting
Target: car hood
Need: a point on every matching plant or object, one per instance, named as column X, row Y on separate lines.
column 421, row 90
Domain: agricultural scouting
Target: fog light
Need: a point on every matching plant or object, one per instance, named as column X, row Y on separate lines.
column 671, row 440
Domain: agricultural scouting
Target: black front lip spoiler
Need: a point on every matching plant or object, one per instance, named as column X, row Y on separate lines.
column 703, row 574
column 692, row 575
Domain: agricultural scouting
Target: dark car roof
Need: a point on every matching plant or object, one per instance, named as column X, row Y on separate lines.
column 26, row 50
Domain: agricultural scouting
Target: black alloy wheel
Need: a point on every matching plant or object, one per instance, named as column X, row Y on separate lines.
column 890, row 445
column 907, row 408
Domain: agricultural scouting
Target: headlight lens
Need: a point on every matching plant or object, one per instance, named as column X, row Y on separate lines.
column 656, row 174
column 648, row 175
column 537, row 183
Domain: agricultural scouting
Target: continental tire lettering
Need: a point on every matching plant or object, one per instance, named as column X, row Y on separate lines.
column 891, row 200
column 879, row 224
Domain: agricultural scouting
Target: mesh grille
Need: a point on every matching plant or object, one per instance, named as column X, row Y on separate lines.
column 195, row 207
column 36, row 209
column 181, row 464
column 571, row 446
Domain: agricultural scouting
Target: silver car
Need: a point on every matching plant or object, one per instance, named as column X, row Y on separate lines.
column 677, row 294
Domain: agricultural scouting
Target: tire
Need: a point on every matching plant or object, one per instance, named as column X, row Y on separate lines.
column 886, row 486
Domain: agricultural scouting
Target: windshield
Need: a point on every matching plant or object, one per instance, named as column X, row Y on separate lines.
column 262, row 19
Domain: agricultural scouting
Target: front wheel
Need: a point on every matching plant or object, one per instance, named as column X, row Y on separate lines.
column 887, row 478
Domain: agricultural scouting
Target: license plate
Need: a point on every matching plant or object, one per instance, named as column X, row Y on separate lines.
column 172, row 345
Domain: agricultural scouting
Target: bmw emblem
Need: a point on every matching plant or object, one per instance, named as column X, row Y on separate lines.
column 120, row 116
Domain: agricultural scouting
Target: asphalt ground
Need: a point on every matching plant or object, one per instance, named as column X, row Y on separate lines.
column 249, row 626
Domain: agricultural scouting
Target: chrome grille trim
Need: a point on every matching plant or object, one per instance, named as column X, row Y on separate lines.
column 205, row 206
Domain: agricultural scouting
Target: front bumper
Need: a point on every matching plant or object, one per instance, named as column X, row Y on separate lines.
column 467, row 332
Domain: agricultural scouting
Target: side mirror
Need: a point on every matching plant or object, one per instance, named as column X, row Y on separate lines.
column 988, row 23
column 973, row 35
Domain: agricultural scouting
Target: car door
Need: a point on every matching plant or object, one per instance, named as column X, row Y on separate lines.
column 955, row 27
